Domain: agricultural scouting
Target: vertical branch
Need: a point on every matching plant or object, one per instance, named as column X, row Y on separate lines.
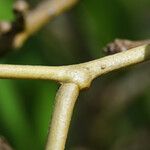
column 65, row 100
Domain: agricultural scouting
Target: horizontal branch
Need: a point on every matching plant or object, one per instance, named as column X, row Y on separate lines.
column 63, row 74
column 119, row 60
column 81, row 74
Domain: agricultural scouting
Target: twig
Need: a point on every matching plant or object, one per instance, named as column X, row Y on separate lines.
column 65, row 74
column 120, row 45
column 81, row 74
column 13, row 35
column 65, row 101
column 119, row 60
column 40, row 16
column 74, row 78
column 4, row 145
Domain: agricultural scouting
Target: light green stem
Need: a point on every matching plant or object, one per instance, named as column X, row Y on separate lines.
column 65, row 100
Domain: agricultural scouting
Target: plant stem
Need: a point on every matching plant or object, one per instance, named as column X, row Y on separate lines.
column 74, row 78
column 65, row 100
column 40, row 16
column 80, row 74
column 118, row 60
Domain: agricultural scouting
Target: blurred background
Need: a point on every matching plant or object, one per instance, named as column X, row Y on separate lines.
column 114, row 114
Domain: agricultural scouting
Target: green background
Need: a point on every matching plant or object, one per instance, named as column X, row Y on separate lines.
column 74, row 37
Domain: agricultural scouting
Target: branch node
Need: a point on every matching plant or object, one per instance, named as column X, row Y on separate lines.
column 81, row 76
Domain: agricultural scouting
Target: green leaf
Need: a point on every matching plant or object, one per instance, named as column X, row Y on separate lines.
column 6, row 12
column 14, row 118
column 43, row 109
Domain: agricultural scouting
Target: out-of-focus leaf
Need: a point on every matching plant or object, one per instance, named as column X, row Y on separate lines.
column 43, row 109
column 6, row 9
column 13, row 116
column 101, row 22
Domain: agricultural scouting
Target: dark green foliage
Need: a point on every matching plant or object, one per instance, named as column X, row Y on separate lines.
column 78, row 36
